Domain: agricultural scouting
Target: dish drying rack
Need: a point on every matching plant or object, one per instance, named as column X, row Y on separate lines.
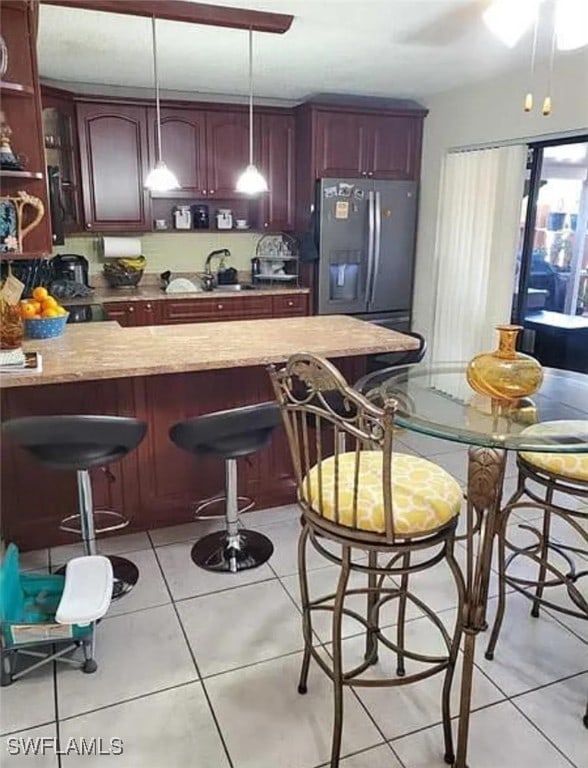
column 278, row 261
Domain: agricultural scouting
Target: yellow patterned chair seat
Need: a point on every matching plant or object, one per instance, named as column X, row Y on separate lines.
column 573, row 466
column 424, row 496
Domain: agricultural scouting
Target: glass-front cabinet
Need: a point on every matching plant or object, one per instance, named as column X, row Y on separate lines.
column 62, row 166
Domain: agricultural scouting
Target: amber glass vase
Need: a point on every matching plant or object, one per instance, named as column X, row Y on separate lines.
column 505, row 374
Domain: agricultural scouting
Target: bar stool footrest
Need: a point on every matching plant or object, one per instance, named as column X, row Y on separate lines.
column 215, row 552
column 106, row 514
column 244, row 503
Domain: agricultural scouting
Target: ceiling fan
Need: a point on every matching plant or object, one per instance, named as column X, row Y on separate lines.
column 509, row 20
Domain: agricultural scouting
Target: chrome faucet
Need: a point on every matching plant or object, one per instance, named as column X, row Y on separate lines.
column 222, row 253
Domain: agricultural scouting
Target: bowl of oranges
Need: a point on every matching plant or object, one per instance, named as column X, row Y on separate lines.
column 44, row 317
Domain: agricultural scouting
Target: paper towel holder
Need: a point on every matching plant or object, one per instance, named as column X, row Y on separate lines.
column 120, row 247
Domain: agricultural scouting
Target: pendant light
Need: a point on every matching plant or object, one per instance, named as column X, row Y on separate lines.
column 251, row 182
column 160, row 178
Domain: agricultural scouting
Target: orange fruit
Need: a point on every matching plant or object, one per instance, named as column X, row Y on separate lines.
column 27, row 310
column 36, row 305
column 40, row 293
column 61, row 311
column 49, row 303
column 50, row 312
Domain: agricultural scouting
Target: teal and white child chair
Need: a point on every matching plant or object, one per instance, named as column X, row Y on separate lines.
column 58, row 613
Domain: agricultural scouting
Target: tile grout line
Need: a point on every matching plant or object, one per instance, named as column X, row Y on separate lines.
column 193, row 657
column 545, row 736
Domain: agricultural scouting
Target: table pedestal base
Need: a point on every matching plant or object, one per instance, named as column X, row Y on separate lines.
column 484, row 493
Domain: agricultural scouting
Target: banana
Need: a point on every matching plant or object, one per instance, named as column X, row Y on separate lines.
column 138, row 263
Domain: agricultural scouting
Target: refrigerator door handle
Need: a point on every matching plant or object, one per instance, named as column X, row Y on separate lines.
column 377, row 243
column 370, row 251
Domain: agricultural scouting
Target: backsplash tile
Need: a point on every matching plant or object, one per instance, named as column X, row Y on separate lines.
column 176, row 251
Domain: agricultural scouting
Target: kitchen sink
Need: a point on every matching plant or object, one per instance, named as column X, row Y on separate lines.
column 231, row 287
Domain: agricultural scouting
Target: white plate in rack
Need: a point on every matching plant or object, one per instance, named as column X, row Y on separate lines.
column 182, row 285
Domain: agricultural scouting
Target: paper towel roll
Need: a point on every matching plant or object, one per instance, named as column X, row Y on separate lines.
column 117, row 247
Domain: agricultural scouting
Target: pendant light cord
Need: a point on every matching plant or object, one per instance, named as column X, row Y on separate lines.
column 250, row 96
column 156, row 77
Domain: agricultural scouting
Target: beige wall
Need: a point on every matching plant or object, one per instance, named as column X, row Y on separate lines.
column 177, row 251
column 482, row 114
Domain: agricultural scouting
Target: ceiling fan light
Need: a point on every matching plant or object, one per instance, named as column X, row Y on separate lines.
column 251, row 182
column 161, row 179
column 571, row 24
column 510, row 20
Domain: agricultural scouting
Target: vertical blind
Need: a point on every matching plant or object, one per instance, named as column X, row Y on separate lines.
column 475, row 249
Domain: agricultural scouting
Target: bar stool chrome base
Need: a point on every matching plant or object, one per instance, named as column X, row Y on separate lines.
column 125, row 573
column 222, row 553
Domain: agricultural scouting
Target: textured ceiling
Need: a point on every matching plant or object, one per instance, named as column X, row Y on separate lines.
column 401, row 48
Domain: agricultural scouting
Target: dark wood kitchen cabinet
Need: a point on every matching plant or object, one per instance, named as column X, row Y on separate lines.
column 277, row 207
column 63, row 162
column 359, row 145
column 206, row 149
column 341, row 145
column 134, row 313
column 183, row 146
column 114, row 164
column 227, row 151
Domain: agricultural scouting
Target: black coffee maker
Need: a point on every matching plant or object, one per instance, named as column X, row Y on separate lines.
column 70, row 266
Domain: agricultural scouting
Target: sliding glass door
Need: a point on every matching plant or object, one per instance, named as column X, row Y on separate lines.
column 551, row 284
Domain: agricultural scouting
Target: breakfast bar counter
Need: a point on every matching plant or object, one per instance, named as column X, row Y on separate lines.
column 163, row 374
column 91, row 351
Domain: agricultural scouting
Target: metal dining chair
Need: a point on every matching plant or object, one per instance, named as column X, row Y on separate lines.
column 541, row 475
column 400, row 511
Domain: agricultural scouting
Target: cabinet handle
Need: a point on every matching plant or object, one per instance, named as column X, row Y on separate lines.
column 88, row 226
column 266, row 225
column 370, row 173
column 131, row 309
column 290, row 303
column 219, row 306
column 211, row 192
column 148, row 306
column 203, row 191
column 364, row 173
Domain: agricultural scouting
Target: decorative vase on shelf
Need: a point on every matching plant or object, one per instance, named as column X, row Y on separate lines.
column 505, row 374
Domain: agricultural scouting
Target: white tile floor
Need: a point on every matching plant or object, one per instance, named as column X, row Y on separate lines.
column 197, row 669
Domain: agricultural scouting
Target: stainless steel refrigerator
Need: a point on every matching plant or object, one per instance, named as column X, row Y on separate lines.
column 366, row 244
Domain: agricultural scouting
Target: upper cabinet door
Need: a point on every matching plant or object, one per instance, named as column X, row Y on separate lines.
column 183, row 146
column 113, row 149
column 340, row 145
column 227, row 152
column 395, row 145
column 277, row 165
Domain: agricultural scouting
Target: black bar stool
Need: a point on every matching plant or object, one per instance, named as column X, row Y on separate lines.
column 82, row 443
column 230, row 435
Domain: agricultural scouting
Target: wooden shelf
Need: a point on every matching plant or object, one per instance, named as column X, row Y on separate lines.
column 20, row 174
column 17, row 89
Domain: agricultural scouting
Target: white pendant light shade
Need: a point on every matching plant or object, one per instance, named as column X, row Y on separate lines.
column 509, row 19
column 160, row 178
column 251, row 182
column 571, row 24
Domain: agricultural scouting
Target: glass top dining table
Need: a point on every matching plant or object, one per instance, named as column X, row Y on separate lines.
column 438, row 401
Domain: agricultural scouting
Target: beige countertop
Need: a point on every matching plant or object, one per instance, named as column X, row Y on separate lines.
column 90, row 351
column 154, row 293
